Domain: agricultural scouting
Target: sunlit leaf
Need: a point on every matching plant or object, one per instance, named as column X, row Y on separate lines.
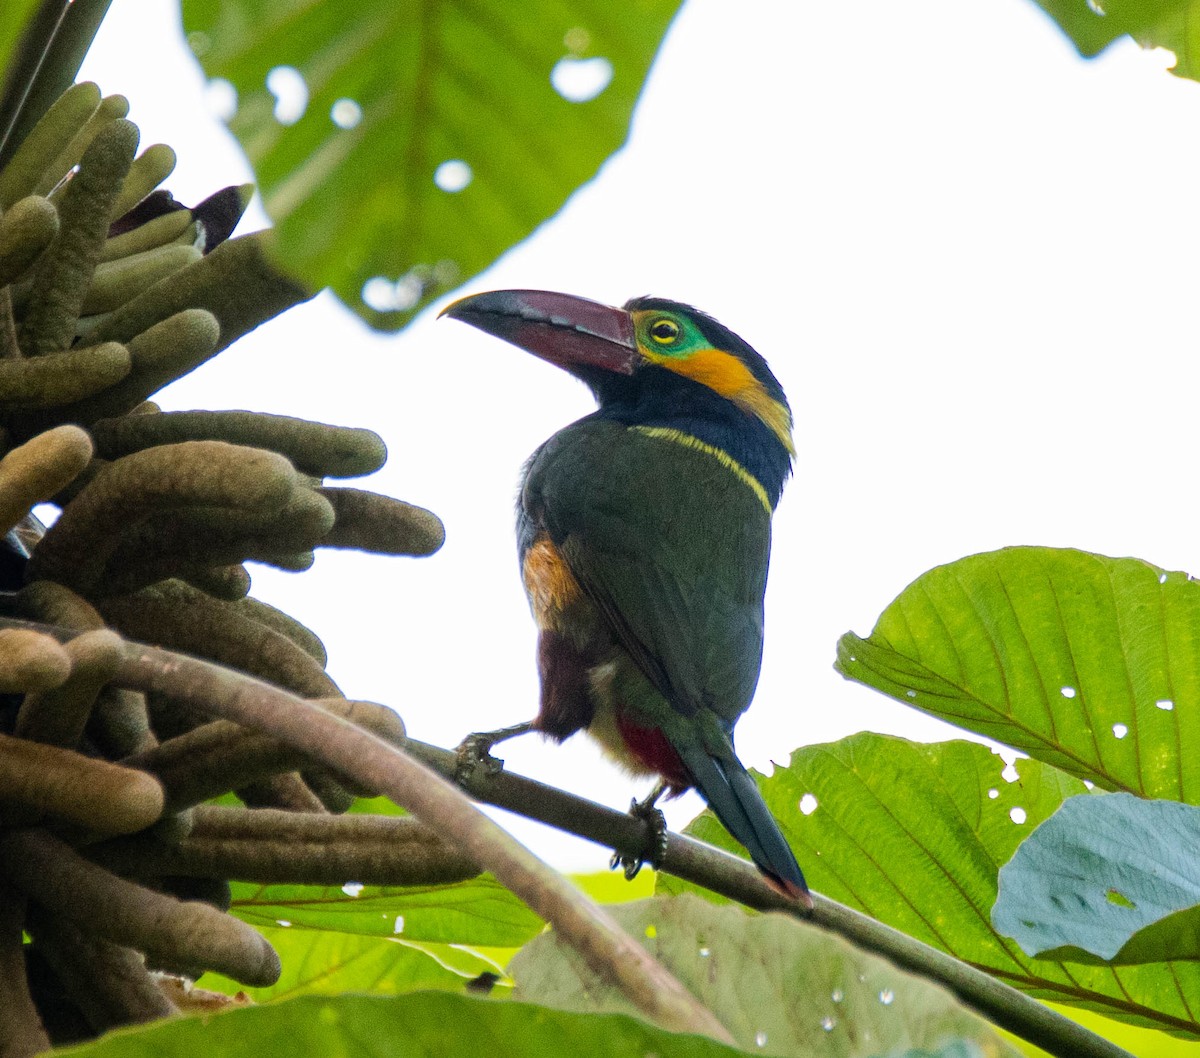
column 1091, row 664
column 416, row 1025
column 319, row 962
column 915, row 836
column 1092, row 25
column 475, row 912
column 780, row 987
column 1111, row 878
column 402, row 148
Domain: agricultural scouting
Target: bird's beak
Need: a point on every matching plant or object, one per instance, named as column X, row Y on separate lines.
column 565, row 330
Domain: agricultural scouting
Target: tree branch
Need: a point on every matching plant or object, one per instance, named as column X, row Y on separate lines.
column 379, row 766
column 738, row 879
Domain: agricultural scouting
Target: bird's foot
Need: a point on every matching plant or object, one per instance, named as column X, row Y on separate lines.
column 475, row 751
column 657, row 822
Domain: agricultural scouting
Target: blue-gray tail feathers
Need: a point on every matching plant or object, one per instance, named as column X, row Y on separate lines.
column 733, row 795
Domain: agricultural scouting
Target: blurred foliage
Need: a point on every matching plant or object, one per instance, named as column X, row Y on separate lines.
column 400, row 150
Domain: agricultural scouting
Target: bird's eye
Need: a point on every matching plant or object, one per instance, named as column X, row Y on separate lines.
column 664, row 331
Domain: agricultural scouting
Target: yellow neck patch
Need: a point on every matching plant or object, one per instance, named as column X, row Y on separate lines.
column 727, row 375
column 724, row 458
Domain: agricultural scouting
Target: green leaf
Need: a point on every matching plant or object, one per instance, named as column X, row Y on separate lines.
column 418, row 1025
column 1088, row 663
column 419, row 87
column 1092, row 25
column 913, row 836
column 1110, row 878
column 12, row 25
column 780, row 986
column 475, row 912
column 316, row 962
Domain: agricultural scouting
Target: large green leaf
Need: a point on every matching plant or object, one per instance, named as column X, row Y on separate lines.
column 1091, row 664
column 1111, row 878
column 780, row 987
column 915, row 835
column 317, row 962
column 1092, row 25
column 418, row 1025
column 417, row 87
column 476, row 912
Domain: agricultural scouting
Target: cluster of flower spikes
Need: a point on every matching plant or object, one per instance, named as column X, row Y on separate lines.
column 113, row 866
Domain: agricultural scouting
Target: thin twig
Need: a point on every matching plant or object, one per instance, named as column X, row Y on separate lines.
column 377, row 765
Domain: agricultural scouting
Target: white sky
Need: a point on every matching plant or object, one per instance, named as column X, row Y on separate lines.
column 968, row 255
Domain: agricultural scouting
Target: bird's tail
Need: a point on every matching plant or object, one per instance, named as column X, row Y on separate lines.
column 733, row 795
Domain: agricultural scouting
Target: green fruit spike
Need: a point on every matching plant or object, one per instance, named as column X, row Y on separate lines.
column 61, row 280
column 313, row 447
column 237, row 283
column 49, row 138
column 167, row 351
column 111, row 108
column 61, row 378
column 26, row 229
column 149, row 169
column 116, row 282
column 154, row 233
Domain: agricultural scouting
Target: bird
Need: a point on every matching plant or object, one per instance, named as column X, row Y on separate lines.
column 644, row 536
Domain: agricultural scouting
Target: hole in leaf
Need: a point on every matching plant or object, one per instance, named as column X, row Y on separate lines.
column 581, row 80
column 827, row 1023
column 837, row 995
column 760, row 1038
column 1010, row 773
column 221, row 98
column 1017, row 814
column 887, row 997
column 808, row 804
column 290, row 90
column 282, row 922
column 1120, row 899
column 1120, row 730
column 398, row 925
column 993, row 793
column 1068, row 692
column 345, row 113
column 651, row 931
column 705, row 953
column 1165, row 703
column 1162, row 578
column 352, row 888
column 453, row 176
column 1095, row 8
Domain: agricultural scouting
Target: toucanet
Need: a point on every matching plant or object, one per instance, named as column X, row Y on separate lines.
column 644, row 533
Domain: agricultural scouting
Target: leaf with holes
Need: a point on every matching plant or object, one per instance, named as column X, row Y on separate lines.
column 402, row 148
column 1092, row 25
column 1106, row 879
column 479, row 912
column 1088, row 663
column 915, row 835
column 780, row 986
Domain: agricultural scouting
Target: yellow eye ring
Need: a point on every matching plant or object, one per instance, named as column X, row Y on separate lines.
column 664, row 331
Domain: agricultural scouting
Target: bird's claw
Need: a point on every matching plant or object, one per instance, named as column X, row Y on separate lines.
column 657, row 823
column 474, row 753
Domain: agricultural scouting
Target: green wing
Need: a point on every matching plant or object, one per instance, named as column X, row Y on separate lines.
column 671, row 545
